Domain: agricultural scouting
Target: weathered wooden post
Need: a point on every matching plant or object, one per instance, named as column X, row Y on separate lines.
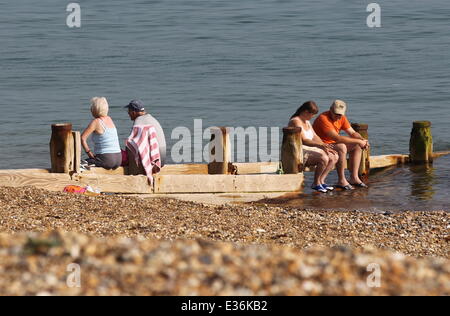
column 364, row 170
column 421, row 144
column 62, row 148
column 220, row 151
column 76, row 152
column 292, row 150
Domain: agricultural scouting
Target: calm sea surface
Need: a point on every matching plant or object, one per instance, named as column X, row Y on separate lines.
column 234, row 63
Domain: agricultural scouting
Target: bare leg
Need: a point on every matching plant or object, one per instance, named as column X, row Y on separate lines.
column 341, row 164
column 321, row 161
column 333, row 159
column 355, row 163
column 321, row 166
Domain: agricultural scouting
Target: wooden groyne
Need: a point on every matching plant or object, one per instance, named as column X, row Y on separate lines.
column 216, row 177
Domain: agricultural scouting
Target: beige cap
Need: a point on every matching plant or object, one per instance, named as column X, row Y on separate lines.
column 339, row 107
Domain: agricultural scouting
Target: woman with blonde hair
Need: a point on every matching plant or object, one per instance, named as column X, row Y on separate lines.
column 107, row 153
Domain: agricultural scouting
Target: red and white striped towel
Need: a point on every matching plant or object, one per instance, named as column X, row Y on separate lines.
column 143, row 143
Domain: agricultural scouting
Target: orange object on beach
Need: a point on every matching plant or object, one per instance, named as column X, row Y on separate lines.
column 75, row 189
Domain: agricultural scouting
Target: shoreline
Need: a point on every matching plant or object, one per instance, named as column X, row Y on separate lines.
column 148, row 238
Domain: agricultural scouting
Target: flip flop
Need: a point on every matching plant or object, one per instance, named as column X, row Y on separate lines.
column 361, row 185
column 328, row 187
column 345, row 188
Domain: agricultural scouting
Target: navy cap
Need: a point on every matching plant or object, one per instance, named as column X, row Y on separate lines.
column 136, row 106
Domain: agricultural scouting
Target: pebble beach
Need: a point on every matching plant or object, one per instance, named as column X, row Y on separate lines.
column 136, row 246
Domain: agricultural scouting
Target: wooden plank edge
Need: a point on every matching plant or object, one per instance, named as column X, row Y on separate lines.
column 223, row 184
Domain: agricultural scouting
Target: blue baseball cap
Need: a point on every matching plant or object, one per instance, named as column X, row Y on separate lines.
column 136, row 106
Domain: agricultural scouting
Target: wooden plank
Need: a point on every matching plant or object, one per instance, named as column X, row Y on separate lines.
column 186, row 169
column 364, row 169
column 220, row 151
column 227, row 183
column 49, row 181
column 257, row 168
column 24, row 171
column 194, row 184
column 121, row 171
column 115, row 183
column 377, row 162
column 269, row 183
column 61, row 148
column 292, row 150
column 77, row 151
column 441, row 154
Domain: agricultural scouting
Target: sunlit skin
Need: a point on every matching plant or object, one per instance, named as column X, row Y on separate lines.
column 329, row 158
column 96, row 127
column 355, row 156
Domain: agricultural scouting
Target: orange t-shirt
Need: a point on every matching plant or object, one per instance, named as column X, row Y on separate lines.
column 324, row 124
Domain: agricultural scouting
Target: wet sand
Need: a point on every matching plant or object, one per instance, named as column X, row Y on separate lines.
column 411, row 247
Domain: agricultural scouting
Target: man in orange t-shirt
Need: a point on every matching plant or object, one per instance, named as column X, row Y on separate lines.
column 328, row 127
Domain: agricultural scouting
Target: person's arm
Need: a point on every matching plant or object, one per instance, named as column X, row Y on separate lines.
column 85, row 136
column 347, row 140
column 353, row 134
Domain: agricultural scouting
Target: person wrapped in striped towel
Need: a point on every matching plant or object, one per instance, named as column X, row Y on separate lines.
column 143, row 144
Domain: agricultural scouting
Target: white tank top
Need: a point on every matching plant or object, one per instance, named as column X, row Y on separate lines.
column 309, row 134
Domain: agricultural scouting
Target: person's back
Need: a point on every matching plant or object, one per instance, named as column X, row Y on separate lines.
column 108, row 141
column 107, row 153
column 137, row 113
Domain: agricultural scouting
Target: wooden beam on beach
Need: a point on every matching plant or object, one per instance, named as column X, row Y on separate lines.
column 24, row 171
column 40, row 180
column 256, row 168
column 76, row 152
column 62, row 148
column 441, row 154
column 228, row 183
column 292, row 150
column 364, row 169
column 220, row 151
column 115, row 183
column 121, row 171
column 379, row 162
column 186, row 169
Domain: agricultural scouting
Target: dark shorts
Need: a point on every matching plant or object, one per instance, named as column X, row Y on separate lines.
column 107, row 161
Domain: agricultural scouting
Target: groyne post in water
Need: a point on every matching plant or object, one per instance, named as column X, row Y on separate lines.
column 421, row 143
column 62, row 148
column 364, row 169
column 292, row 150
column 220, row 151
